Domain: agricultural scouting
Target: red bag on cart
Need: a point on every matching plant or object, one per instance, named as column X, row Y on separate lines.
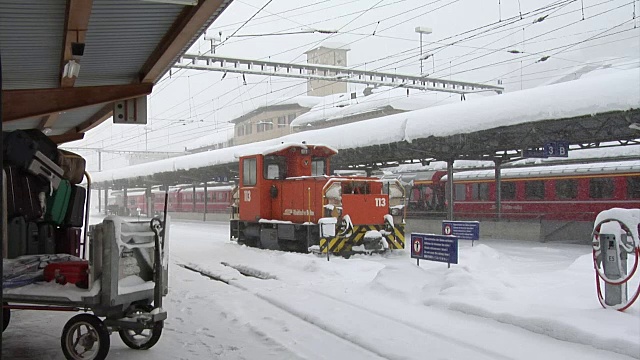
column 75, row 272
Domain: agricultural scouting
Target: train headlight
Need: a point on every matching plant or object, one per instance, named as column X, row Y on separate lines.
column 395, row 211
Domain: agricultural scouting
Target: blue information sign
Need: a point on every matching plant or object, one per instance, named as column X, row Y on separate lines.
column 533, row 153
column 432, row 247
column 465, row 230
column 556, row 149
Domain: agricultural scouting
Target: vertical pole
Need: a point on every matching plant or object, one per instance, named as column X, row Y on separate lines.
column 3, row 209
column 106, row 199
column 100, row 200
column 498, row 162
column 125, row 202
column 99, row 160
column 421, row 72
column 451, row 187
column 194, row 197
column 149, row 203
column 206, row 202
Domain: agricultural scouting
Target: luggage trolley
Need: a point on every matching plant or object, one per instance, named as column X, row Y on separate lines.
column 127, row 279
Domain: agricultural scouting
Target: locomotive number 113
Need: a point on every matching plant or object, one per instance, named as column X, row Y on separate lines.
column 381, row 202
column 247, row 195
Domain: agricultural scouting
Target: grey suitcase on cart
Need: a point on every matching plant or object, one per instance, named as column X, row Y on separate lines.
column 23, row 238
column 46, row 239
column 17, row 237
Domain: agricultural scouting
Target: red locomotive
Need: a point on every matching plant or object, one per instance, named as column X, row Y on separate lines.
column 284, row 192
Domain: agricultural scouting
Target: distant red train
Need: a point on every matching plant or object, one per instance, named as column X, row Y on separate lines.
column 568, row 192
column 180, row 199
column 575, row 192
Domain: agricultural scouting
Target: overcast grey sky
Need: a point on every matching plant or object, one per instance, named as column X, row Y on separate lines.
column 471, row 40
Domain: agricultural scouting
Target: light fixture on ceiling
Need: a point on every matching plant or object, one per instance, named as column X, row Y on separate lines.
column 71, row 69
column 177, row 2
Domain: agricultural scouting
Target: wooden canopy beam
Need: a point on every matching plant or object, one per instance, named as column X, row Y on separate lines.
column 48, row 121
column 75, row 31
column 190, row 21
column 60, row 139
column 21, row 104
column 95, row 120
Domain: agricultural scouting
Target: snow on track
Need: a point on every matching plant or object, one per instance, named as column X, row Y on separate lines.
column 301, row 336
column 334, row 320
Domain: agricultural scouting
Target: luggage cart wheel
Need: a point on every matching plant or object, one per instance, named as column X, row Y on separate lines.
column 6, row 316
column 141, row 339
column 85, row 337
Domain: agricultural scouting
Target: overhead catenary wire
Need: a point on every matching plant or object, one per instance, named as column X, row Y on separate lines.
column 231, row 104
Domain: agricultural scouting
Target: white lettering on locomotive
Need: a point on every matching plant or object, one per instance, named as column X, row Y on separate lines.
column 381, row 202
column 247, row 195
column 297, row 212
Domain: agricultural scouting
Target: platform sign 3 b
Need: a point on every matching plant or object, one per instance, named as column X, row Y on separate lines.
column 433, row 247
column 556, row 149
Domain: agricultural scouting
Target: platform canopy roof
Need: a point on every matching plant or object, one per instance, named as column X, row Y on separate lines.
column 122, row 47
column 586, row 113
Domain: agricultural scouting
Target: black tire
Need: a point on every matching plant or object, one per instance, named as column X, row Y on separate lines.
column 6, row 316
column 142, row 339
column 76, row 344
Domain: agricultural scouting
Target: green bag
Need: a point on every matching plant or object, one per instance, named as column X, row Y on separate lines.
column 58, row 203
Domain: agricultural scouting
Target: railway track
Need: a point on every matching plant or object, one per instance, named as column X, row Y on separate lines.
column 344, row 329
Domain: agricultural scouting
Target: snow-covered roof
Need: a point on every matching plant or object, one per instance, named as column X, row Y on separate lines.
column 286, row 145
column 613, row 92
column 340, row 106
column 303, row 101
column 595, row 68
column 331, row 45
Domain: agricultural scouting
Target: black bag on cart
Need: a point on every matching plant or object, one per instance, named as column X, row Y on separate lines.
column 35, row 152
column 20, row 146
column 26, row 194
column 75, row 211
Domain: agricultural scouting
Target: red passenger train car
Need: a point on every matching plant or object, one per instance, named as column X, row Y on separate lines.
column 568, row 192
column 180, row 199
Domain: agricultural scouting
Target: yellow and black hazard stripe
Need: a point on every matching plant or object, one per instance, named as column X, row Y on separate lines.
column 341, row 243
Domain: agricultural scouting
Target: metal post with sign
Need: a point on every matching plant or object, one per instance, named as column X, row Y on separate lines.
column 465, row 230
column 440, row 248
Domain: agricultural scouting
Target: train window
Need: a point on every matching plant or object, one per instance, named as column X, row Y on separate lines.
column 318, row 167
column 460, row 192
column 567, row 189
column 274, row 167
column 534, row 189
column 507, row 190
column 480, row 191
column 249, row 170
column 601, row 188
column 633, row 187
